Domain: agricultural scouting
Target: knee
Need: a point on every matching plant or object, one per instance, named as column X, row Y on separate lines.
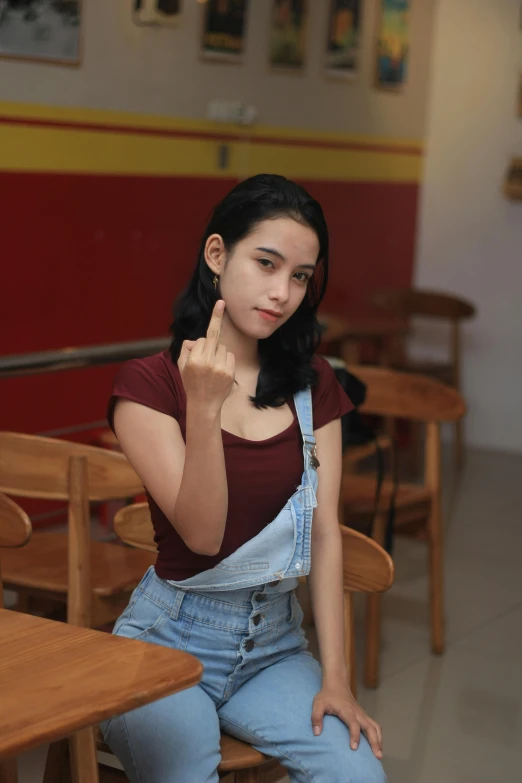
column 354, row 766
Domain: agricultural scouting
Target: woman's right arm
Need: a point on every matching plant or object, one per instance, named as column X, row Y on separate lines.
column 188, row 482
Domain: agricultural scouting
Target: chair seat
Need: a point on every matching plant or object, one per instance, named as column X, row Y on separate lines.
column 42, row 565
column 358, row 493
column 235, row 755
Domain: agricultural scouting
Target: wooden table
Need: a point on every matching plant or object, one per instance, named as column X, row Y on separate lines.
column 56, row 679
column 345, row 335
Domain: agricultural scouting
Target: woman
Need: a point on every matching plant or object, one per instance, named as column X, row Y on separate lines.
column 235, row 432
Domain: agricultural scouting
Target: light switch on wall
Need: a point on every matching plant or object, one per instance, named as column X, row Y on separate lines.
column 231, row 112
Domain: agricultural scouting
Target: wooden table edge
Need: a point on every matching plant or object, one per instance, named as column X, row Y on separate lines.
column 50, row 733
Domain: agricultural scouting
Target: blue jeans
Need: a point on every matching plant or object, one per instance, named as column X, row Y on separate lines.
column 258, row 685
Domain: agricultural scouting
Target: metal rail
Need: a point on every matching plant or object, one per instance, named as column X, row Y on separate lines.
column 76, row 358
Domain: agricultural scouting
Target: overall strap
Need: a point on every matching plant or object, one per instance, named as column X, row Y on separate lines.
column 303, row 407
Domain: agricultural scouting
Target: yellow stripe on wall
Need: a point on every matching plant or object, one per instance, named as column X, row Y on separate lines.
column 47, row 139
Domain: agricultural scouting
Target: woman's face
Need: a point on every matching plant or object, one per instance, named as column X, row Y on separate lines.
column 264, row 280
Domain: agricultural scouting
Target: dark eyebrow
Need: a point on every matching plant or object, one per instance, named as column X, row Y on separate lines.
column 273, row 252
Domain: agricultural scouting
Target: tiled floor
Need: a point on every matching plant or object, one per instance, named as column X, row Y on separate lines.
column 457, row 718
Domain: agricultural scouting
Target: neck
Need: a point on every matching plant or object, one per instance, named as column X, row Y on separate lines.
column 245, row 349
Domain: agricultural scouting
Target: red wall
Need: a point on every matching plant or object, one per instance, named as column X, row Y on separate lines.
column 98, row 259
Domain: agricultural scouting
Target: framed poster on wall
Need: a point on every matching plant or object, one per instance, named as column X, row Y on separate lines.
column 288, row 34
column 41, row 30
column 166, row 13
column 224, row 30
column 393, row 44
column 344, row 38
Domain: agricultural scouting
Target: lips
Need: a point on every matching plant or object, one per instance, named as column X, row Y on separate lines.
column 272, row 313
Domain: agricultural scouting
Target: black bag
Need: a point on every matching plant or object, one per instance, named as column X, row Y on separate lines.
column 355, row 432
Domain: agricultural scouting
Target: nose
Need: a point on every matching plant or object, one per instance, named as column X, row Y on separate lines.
column 281, row 290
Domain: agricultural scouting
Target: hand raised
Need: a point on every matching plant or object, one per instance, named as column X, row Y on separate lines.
column 207, row 368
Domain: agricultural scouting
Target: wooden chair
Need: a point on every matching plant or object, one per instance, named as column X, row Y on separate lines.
column 428, row 401
column 366, row 568
column 92, row 578
column 15, row 532
column 53, row 563
column 409, row 302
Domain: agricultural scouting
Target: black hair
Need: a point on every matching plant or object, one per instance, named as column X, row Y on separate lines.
column 285, row 356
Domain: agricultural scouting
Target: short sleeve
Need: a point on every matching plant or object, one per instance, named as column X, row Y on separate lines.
column 329, row 399
column 146, row 382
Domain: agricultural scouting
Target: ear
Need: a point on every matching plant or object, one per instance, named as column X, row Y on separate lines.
column 215, row 253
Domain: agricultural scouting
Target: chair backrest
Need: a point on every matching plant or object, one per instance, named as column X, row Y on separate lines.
column 367, row 568
column 15, row 530
column 405, row 302
column 36, row 467
column 134, row 526
column 394, row 394
column 404, row 395
column 47, row 468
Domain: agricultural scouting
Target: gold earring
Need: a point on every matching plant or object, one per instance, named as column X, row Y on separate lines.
column 215, row 281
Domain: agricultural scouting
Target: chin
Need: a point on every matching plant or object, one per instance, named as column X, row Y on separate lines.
column 260, row 333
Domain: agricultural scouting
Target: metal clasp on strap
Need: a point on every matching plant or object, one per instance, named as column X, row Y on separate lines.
column 312, row 452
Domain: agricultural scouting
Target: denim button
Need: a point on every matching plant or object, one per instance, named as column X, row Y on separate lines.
column 257, row 619
column 260, row 596
column 249, row 645
column 298, row 566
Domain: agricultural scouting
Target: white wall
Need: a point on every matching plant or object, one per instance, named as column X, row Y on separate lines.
column 159, row 71
column 471, row 237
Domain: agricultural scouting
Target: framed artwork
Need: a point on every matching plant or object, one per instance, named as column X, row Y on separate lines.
column 166, row 13
column 288, row 33
column 41, row 30
column 344, row 38
column 393, row 44
column 224, row 30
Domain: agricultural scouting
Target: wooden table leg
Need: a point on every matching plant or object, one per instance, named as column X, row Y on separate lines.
column 84, row 763
column 8, row 771
column 58, row 763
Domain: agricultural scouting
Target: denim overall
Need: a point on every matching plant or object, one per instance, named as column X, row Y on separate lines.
column 282, row 549
column 242, row 620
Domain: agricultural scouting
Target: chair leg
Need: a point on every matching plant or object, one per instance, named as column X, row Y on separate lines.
column 84, row 763
column 373, row 640
column 459, row 443
column 8, row 771
column 436, row 581
column 349, row 642
column 23, row 602
column 373, row 617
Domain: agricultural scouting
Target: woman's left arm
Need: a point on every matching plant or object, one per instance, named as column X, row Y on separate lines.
column 326, row 592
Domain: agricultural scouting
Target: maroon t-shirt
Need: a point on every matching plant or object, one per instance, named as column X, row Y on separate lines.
column 261, row 475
